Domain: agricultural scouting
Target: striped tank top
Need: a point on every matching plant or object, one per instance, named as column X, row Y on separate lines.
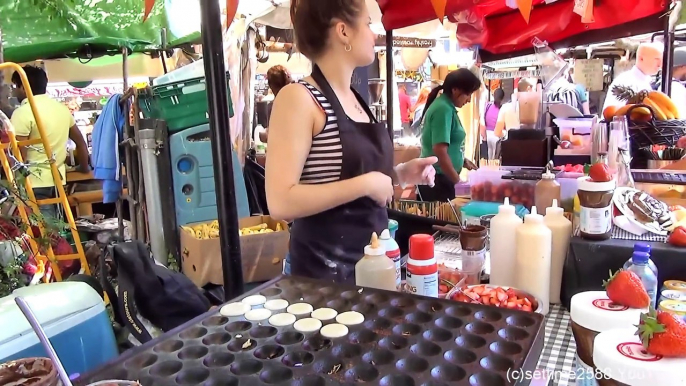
column 324, row 162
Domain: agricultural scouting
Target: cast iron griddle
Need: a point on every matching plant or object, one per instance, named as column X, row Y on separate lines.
column 406, row 340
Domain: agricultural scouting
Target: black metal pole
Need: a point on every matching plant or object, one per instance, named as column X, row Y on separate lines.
column 220, row 133
column 390, row 77
column 667, row 56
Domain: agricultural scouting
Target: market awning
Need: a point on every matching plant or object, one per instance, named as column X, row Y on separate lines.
column 62, row 28
column 502, row 32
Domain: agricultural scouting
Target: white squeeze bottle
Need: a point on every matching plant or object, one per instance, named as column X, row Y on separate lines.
column 561, row 229
column 503, row 251
column 393, row 253
column 534, row 246
column 375, row 269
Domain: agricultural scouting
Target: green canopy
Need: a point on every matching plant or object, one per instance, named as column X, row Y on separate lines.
column 59, row 28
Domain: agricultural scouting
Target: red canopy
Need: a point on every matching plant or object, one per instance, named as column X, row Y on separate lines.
column 502, row 32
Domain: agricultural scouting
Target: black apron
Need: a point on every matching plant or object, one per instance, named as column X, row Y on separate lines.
column 328, row 245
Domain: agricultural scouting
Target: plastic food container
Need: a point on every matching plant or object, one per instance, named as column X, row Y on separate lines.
column 673, row 306
column 577, row 131
column 672, row 295
column 458, row 270
column 448, row 277
column 488, row 185
column 568, row 188
column 464, row 291
column 677, row 285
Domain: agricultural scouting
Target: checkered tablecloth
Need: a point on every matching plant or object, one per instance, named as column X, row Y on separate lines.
column 559, row 348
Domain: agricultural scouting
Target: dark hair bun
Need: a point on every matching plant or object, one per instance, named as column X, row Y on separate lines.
column 312, row 20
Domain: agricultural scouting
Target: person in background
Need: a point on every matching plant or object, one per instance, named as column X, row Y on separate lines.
column 489, row 120
column 405, row 104
column 277, row 78
column 508, row 115
column 561, row 90
column 417, row 110
column 443, row 135
column 58, row 125
column 5, row 105
column 639, row 77
column 582, row 94
column 330, row 163
column 678, row 91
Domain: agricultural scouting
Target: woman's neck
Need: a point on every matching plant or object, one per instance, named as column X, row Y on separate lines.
column 337, row 72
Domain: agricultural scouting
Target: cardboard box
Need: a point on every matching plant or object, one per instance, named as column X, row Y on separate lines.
column 262, row 254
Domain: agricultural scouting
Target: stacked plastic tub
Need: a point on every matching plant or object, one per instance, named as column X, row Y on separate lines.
column 180, row 98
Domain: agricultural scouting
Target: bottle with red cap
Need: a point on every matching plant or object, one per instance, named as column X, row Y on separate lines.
column 422, row 270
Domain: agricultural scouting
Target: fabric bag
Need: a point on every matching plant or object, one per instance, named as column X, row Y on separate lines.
column 166, row 298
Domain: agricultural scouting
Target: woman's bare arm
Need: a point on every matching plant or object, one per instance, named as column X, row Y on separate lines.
column 290, row 138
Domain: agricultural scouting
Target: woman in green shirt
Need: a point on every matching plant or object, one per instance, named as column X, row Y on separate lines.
column 443, row 135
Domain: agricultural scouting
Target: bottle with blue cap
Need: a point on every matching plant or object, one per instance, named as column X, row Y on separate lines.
column 640, row 265
column 642, row 247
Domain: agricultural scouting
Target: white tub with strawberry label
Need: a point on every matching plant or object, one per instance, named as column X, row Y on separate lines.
column 592, row 313
column 619, row 355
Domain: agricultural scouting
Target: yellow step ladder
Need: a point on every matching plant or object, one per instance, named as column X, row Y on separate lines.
column 43, row 254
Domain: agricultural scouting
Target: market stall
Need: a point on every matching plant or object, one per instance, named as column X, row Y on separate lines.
column 431, row 320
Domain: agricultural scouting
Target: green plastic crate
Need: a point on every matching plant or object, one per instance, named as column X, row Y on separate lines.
column 182, row 104
column 147, row 105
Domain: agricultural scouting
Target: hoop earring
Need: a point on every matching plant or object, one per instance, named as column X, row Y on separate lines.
column 348, row 48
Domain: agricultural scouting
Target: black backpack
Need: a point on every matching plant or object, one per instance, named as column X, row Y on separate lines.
column 166, row 298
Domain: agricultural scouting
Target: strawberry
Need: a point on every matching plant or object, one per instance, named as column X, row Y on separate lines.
column 663, row 333
column 626, row 288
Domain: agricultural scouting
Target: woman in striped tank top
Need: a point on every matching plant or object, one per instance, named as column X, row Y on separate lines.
column 330, row 164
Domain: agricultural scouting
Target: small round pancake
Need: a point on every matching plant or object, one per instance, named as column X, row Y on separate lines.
column 350, row 318
column 282, row 320
column 308, row 325
column 276, row 304
column 234, row 309
column 254, row 300
column 334, row 330
column 299, row 309
column 258, row 315
column 324, row 313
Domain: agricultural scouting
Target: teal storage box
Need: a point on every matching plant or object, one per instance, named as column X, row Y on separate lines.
column 73, row 316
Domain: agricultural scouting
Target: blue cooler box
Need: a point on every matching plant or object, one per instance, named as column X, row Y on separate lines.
column 73, row 316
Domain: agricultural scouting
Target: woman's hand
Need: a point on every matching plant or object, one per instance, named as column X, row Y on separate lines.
column 378, row 187
column 419, row 171
column 469, row 165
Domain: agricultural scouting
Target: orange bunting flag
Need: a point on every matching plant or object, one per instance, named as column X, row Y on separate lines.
column 524, row 7
column 148, row 8
column 439, row 8
column 584, row 8
column 231, row 9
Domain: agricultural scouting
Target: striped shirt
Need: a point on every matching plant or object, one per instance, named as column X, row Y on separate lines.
column 563, row 91
column 324, row 162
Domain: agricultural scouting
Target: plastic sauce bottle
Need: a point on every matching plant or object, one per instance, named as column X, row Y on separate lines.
column 503, row 251
column 534, row 247
column 640, row 265
column 422, row 270
column 642, row 247
column 561, row 229
column 393, row 253
column 547, row 190
column 375, row 270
